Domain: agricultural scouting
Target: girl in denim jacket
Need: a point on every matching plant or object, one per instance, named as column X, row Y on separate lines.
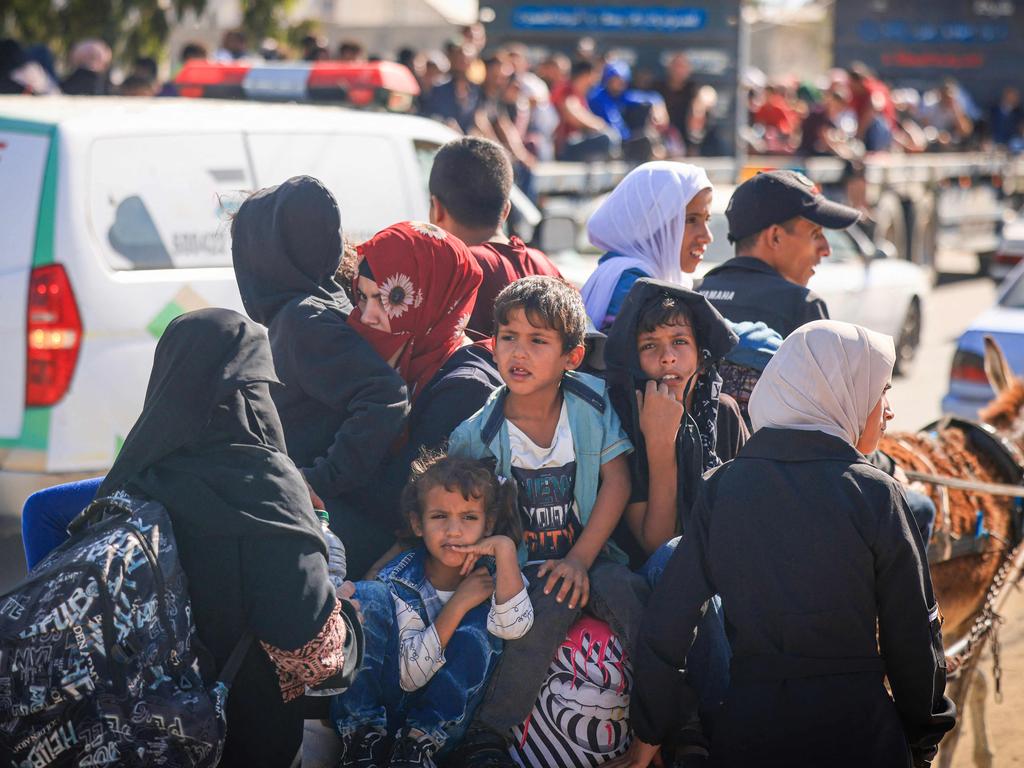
column 435, row 617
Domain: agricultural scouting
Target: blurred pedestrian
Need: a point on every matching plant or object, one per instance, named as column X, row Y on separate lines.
column 351, row 50
column 234, row 46
column 455, row 101
column 943, row 112
column 582, row 136
column 137, row 85
column 12, row 58
column 637, row 116
column 40, row 70
column 191, row 51
column 679, row 90
column 89, row 63
column 314, row 47
column 1006, row 118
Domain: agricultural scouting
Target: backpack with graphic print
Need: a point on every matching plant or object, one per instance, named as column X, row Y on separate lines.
column 98, row 661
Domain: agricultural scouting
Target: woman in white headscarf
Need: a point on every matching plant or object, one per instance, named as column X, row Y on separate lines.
column 653, row 224
column 822, row 575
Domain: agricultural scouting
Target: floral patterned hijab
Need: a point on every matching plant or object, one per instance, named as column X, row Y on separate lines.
column 428, row 281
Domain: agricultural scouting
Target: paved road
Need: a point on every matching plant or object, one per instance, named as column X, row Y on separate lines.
column 956, row 301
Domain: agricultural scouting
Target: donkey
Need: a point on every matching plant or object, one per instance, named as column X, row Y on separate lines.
column 974, row 531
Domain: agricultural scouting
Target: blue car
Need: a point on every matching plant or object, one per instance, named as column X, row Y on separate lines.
column 969, row 389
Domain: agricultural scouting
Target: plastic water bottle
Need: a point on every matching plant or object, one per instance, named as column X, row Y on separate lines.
column 336, row 564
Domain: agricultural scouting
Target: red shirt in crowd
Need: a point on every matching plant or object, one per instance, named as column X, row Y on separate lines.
column 776, row 113
column 503, row 263
column 861, row 102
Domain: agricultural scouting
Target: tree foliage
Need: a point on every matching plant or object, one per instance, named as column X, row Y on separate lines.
column 131, row 27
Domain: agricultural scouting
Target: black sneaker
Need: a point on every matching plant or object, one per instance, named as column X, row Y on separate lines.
column 413, row 749
column 366, row 748
column 482, row 747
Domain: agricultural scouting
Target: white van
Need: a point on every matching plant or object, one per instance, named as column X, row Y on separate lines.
column 113, row 221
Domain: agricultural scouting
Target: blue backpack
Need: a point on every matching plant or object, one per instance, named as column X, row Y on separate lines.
column 98, row 651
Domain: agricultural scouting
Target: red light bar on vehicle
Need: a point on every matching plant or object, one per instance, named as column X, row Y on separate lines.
column 380, row 83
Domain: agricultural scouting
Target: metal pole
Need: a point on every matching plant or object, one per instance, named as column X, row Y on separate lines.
column 743, row 8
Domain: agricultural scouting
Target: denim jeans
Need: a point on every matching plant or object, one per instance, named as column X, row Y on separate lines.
column 617, row 596
column 444, row 706
column 707, row 663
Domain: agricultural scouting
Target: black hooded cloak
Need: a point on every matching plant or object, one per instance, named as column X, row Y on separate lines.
column 341, row 404
column 209, row 446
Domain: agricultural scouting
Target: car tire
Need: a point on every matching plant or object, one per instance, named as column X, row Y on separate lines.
column 908, row 340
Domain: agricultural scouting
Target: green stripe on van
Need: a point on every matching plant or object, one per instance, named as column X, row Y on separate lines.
column 43, row 253
column 27, row 126
column 35, row 431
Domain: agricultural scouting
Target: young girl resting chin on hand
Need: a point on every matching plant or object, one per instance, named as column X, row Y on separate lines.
column 435, row 617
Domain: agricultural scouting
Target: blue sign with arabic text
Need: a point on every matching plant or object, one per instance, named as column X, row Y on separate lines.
column 621, row 19
column 900, row 31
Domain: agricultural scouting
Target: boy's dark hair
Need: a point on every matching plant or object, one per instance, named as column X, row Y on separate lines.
column 472, row 478
column 472, row 178
column 667, row 310
column 548, row 303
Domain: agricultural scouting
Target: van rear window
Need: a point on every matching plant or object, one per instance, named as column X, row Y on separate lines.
column 164, row 202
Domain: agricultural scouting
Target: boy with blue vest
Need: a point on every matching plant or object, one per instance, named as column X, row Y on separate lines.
column 554, row 433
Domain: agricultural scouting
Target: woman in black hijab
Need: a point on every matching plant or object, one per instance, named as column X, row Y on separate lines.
column 209, row 446
column 342, row 405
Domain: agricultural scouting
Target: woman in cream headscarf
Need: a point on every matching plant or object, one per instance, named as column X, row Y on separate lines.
column 653, row 224
column 822, row 576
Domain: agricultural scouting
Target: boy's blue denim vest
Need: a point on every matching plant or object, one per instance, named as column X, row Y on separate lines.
column 406, row 577
column 596, row 433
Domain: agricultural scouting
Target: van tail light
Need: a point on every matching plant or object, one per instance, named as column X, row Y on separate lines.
column 1009, row 259
column 968, row 368
column 54, row 336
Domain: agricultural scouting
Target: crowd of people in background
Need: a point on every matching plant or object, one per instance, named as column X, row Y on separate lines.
column 591, row 105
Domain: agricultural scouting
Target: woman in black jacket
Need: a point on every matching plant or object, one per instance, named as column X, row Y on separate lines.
column 822, row 577
column 208, row 445
column 341, row 405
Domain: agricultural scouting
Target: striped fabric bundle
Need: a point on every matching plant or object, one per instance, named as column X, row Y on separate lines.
column 580, row 719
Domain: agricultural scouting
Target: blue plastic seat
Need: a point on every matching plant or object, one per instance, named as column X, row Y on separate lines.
column 46, row 514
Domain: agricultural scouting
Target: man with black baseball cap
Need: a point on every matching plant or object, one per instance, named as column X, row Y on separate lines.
column 776, row 221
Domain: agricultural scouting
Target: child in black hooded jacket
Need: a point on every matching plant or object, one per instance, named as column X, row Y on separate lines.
column 661, row 356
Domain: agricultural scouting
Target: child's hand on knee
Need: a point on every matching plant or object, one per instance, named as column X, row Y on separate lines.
column 573, row 575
